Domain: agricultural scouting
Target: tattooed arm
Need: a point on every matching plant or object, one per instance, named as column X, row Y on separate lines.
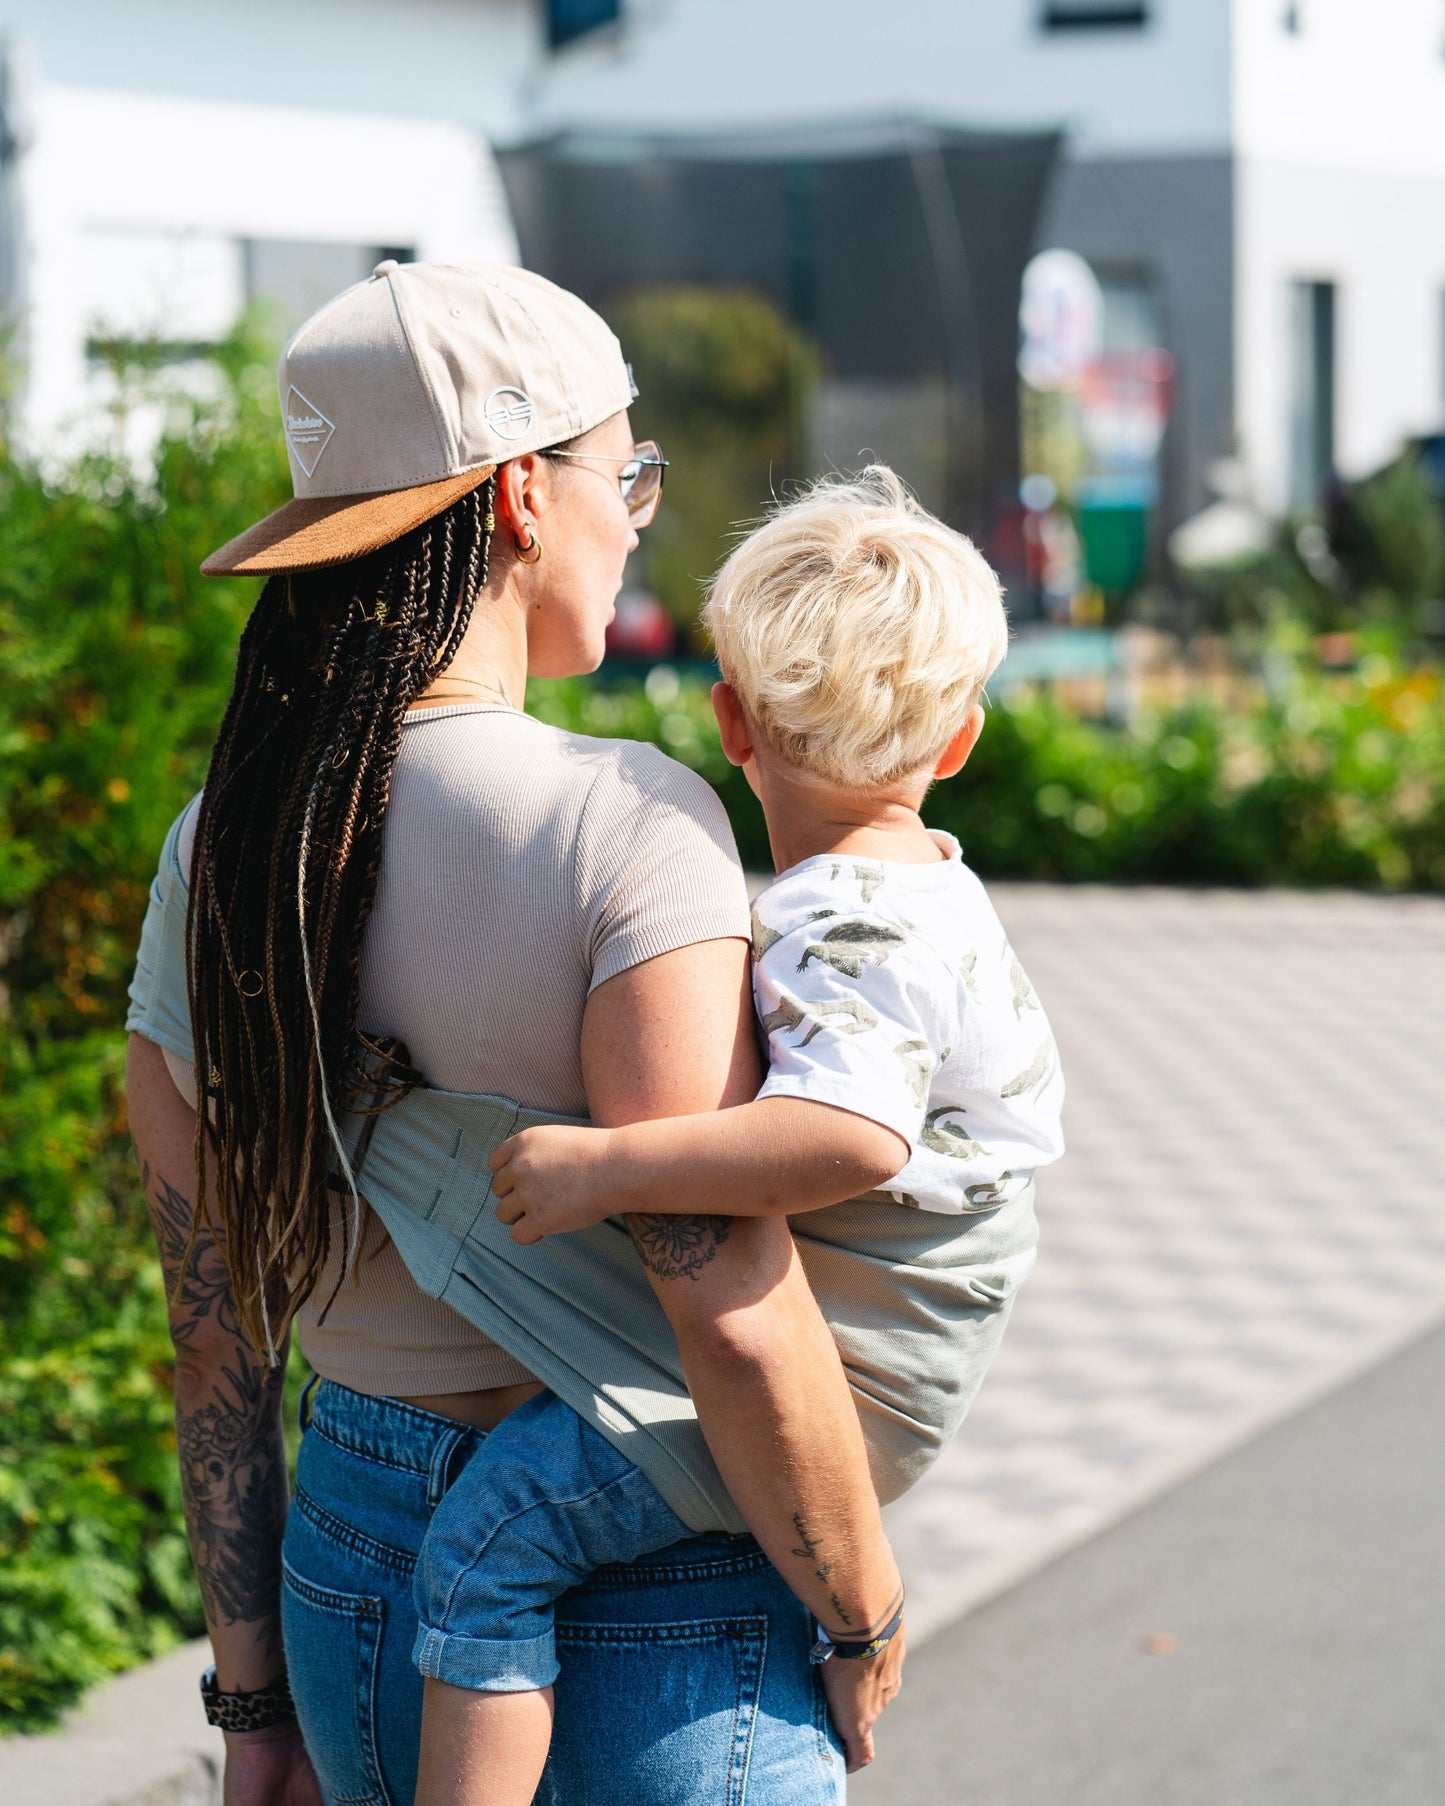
column 228, row 1434
column 671, row 1036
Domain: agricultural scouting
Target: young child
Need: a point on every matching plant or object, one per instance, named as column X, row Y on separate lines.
column 906, row 1048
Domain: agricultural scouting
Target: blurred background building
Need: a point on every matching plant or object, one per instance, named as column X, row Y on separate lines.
column 1258, row 187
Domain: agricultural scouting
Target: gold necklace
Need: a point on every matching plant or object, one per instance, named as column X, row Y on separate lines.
column 492, row 691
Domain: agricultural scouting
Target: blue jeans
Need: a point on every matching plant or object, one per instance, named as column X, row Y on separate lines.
column 684, row 1680
column 542, row 1505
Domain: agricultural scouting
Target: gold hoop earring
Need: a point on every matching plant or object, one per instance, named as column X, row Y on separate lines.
column 533, row 545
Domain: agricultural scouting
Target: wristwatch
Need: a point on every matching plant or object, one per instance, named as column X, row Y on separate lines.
column 247, row 1709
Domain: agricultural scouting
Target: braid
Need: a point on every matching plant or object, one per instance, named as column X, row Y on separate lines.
column 283, row 879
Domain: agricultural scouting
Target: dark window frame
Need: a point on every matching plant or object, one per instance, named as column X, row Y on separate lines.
column 1095, row 15
column 569, row 21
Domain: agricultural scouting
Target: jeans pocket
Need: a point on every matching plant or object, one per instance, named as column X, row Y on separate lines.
column 333, row 1642
column 662, row 1713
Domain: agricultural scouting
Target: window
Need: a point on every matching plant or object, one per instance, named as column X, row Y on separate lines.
column 291, row 278
column 568, row 20
column 1311, row 390
column 1090, row 15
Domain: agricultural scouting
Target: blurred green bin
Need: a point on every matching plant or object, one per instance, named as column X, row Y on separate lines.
column 1114, row 534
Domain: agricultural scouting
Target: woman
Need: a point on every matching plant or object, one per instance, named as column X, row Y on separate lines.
column 553, row 919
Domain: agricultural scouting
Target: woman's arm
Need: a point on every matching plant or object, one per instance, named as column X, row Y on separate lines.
column 229, row 1437
column 674, row 1035
column 776, row 1156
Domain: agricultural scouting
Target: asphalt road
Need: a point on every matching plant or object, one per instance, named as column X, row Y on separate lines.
column 1271, row 1633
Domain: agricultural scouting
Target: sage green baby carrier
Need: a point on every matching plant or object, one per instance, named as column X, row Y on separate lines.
column 917, row 1301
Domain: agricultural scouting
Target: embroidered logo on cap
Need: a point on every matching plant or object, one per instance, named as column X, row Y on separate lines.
column 508, row 412
column 308, row 431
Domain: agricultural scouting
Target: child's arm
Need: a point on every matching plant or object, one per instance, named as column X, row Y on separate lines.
column 776, row 1156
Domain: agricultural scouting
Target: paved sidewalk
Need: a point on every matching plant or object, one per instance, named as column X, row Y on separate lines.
column 1270, row 1633
column 1251, row 1210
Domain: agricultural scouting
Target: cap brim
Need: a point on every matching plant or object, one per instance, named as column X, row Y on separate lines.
column 315, row 531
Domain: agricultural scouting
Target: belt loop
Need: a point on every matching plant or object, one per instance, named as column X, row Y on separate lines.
column 303, row 1410
column 440, row 1473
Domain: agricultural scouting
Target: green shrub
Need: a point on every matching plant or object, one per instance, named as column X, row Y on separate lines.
column 723, row 379
column 115, row 658
column 1339, row 780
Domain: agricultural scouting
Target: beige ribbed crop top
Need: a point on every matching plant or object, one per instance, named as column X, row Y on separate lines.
column 521, row 867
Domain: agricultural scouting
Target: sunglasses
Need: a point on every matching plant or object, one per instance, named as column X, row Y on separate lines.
column 639, row 478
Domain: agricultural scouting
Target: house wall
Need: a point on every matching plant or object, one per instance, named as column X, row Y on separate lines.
column 1341, row 133
column 691, row 64
column 139, row 213
column 1379, row 237
column 470, row 62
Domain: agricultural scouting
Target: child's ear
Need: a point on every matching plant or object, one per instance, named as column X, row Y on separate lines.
column 955, row 754
column 732, row 726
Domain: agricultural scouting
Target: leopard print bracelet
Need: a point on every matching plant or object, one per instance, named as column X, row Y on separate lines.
column 253, row 1709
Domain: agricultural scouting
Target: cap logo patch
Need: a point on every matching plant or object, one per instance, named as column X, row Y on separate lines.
column 508, row 412
column 308, row 431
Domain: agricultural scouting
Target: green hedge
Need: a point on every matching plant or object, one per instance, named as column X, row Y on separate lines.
column 115, row 659
column 1334, row 780
column 115, row 656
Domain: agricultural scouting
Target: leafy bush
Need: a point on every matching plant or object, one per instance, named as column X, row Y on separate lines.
column 115, row 657
column 1338, row 780
column 723, row 378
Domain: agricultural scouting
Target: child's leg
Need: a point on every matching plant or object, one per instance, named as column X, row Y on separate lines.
column 543, row 1503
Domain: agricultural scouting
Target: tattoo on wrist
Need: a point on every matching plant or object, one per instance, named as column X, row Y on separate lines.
column 678, row 1247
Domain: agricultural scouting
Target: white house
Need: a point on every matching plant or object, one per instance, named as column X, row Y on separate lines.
column 1260, row 184
column 163, row 163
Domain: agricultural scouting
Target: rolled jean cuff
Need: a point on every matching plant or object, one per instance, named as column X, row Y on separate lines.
column 486, row 1664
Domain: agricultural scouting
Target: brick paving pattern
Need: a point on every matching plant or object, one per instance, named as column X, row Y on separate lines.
column 1252, row 1207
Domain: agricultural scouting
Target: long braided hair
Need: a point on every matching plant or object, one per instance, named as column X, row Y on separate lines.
column 283, row 877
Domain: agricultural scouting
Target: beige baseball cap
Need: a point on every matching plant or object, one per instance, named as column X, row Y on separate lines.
column 410, row 389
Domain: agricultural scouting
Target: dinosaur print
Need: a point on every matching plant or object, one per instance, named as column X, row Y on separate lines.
column 1038, row 1069
column 763, row 936
column 1024, row 997
column 945, row 1138
column 852, row 945
column 916, row 1059
column 966, row 966
column 869, row 876
column 984, row 1197
column 847, row 1015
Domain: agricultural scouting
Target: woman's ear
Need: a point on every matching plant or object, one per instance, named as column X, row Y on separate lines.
column 955, row 754
column 732, row 726
column 516, row 501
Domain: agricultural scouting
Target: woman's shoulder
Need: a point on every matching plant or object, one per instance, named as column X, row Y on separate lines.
column 637, row 782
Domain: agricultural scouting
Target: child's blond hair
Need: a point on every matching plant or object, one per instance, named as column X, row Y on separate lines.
column 857, row 630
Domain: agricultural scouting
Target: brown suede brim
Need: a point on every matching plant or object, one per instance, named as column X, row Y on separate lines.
column 309, row 534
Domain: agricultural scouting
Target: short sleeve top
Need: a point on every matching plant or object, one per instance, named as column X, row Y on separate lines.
column 522, row 866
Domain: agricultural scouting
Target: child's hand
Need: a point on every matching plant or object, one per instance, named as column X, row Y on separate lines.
column 549, row 1180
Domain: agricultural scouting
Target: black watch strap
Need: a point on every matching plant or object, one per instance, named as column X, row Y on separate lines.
column 247, row 1709
column 827, row 1647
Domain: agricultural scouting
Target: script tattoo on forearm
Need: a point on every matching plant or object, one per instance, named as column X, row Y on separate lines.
column 678, row 1247
column 228, row 1428
column 807, row 1550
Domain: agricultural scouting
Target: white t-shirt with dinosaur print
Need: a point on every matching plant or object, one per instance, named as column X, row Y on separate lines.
column 891, row 991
